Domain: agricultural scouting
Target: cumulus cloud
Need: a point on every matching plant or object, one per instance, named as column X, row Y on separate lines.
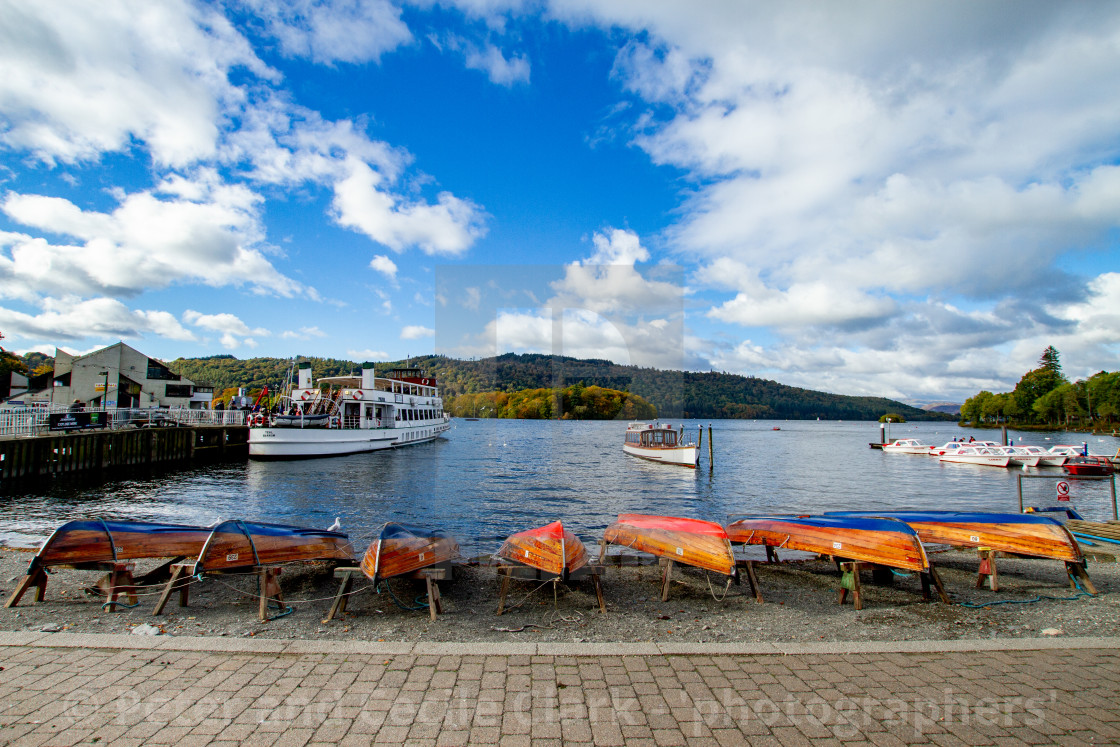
column 384, row 265
column 234, row 332
column 199, row 231
column 73, row 319
column 416, row 332
column 448, row 227
column 303, row 333
column 855, row 167
column 78, row 81
column 329, row 31
column 367, row 354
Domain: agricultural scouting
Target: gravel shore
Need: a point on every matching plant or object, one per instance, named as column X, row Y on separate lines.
column 800, row 605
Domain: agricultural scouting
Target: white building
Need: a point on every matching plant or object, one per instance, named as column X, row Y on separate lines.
column 121, row 376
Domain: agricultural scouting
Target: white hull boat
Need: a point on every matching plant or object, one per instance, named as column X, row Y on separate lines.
column 981, row 455
column 349, row 415
column 906, row 446
column 660, row 443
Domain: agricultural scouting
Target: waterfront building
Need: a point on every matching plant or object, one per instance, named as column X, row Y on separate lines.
column 120, row 376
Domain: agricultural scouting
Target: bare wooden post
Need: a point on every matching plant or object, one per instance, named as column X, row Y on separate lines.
column 1112, row 484
column 1019, row 480
column 711, row 451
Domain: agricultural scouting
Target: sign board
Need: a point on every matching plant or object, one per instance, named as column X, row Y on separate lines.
column 76, row 421
column 1063, row 491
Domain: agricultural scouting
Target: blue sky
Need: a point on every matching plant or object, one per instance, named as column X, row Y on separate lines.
column 907, row 200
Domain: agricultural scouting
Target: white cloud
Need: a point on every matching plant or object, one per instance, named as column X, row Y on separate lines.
column 234, row 332
column 367, row 354
column 303, row 333
column 416, row 332
column 77, row 81
column 502, row 71
column 384, row 265
column 73, row 319
column 328, row 31
column 205, row 231
column 448, row 227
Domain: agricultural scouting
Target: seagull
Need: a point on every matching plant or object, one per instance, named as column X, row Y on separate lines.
column 336, row 525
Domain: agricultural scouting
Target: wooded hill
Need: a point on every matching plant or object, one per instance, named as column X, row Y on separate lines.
column 673, row 393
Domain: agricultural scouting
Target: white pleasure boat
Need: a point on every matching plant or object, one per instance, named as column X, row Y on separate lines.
column 971, row 454
column 906, row 446
column 349, row 414
column 660, row 443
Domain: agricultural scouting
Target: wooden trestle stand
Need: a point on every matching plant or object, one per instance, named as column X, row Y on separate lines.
column 184, row 574
column 430, row 575
column 510, row 571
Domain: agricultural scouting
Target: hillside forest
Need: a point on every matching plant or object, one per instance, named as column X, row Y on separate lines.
column 546, row 386
column 1044, row 397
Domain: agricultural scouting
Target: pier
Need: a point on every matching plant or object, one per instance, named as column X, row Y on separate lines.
column 114, row 453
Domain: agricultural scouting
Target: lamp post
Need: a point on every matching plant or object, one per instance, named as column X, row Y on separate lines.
column 105, row 391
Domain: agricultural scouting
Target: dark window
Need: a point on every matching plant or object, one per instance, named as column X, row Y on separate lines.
column 160, row 372
column 178, row 390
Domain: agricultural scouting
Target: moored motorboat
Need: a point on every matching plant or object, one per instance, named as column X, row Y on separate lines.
column 703, row 544
column 1045, row 458
column 886, row 542
column 906, row 446
column 338, row 415
column 551, row 548
column 1088, row 466
column 982, row 455
column 1022, row 534
column 658, row 442
column 406, row 548
column 242, row 544
column 1019, row 455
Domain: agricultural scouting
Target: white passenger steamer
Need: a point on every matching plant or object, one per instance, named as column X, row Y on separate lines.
column 339, row 415
column 660, row 443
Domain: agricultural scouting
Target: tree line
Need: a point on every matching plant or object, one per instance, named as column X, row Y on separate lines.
column 1044, row 396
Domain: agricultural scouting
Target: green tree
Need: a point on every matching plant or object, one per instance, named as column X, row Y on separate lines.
column 1042, row 380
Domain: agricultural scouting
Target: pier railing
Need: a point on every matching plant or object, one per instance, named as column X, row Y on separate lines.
column 26, row 422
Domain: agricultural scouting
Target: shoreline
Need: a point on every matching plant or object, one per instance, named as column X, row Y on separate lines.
column 800, row 607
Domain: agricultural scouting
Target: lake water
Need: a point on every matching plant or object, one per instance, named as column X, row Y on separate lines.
column 489, row 478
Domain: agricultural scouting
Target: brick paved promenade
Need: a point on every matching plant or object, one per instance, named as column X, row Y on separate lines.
column 65, row 689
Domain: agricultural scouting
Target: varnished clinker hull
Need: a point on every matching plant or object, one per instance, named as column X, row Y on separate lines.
column 688, row 541
column 551, row 549
column 1022, row 534
column 240, row 544
column 402, row 548
column 98, row 541
column 872, row 540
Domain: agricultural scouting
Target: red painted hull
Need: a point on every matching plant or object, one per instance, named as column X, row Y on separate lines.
column 550, row 548
column 888, row 547
column 702, row 544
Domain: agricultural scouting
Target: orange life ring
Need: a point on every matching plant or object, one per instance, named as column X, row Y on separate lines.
column 305, row 395
column 249, row 420
column 424, row 382
column 357, row 394
column 258, row 420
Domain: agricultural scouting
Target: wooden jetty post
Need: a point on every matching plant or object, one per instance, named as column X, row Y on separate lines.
column 711, row 451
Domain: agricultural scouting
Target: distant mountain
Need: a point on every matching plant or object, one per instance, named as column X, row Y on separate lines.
column 946, row 407
column 673, row 393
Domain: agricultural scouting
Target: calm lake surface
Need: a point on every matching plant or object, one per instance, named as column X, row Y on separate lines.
column 489, row 478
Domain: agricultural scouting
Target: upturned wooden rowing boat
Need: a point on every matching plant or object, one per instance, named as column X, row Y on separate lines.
column 240, row 544
column 405, row 548
column 103, row 544
column 887, row 542
column 105, row 541
column 1022, row 534
column 703, row 544
column 551, row 548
